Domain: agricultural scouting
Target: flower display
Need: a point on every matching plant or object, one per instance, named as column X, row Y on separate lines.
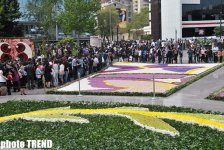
column 142, row 83
column 159, row 68
column 138, row 78
column 144, row 118
column 217, row 95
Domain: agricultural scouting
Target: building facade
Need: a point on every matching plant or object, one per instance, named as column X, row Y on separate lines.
column 185, row 18
column 139, row 4
column 121, row 4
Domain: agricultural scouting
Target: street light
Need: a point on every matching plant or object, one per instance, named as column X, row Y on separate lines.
column 220, row 17
column 110, row 24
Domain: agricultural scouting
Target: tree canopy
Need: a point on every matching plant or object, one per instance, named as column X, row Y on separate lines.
column 141, row 19
column 105, row 22
column 9, row 12
column 44, row 13
column 79, row 15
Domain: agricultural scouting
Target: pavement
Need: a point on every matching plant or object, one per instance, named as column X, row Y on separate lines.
column 192, row 96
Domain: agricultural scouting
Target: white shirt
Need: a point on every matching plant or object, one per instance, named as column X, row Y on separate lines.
column 62, row 67
column 55, row 67
column 2, row 79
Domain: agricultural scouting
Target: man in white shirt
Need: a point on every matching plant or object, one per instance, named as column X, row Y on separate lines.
column 74, row 67
column 95, row 63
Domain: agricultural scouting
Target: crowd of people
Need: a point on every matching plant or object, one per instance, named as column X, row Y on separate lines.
column 52, row 72
column 168, row 52
column 61, row 66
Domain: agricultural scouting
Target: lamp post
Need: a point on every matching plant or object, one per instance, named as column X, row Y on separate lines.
column 110, row 25
column 221, row 21
column 56, row 31
column 117, row 33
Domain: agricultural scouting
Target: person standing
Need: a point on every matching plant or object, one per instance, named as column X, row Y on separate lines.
column 39, row 74
column 190, row 56
column 3, row 88
column 16, row 77
column 30, row 74
column 209, row 54
column 47, row 75
column 220, row 56
column 66, row 71
column 23, row 80
column 56, row 70
column 74, row 67
column 61, row 72
column 9, row 82
column 181, row 56
column 95, row 63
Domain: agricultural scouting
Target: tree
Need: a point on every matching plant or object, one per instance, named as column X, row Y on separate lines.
column 44, row 13
column 141, row 19
column 217, row 31
column 107, row 18
column 69, row 43
column 79, row 15
column 138, row 21
column 9, row 12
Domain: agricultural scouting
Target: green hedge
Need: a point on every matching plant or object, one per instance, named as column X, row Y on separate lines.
column 105, row 132
column 166, row 94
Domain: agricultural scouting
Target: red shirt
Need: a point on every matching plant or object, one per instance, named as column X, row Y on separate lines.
column 220, row 53
column 9, row 77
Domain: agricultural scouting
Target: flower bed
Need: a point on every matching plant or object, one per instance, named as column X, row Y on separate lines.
column 137, row 79
column 217, row 95
column 111, row 125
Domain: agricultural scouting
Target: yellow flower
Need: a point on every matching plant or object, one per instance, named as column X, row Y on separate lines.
column 140, row 116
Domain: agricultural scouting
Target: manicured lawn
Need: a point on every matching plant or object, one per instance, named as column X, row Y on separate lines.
column 106, row 131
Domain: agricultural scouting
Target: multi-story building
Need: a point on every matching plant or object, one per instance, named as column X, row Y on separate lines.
column 120, row 4
column 139, row 4
column 185, row 18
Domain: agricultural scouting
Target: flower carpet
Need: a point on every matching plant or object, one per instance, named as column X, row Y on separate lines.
column 217, row 95
column 86, row 125
column 126, row 78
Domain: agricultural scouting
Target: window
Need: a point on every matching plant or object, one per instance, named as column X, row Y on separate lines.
column 207, row 10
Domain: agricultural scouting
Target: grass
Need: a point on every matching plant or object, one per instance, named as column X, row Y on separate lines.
column 105, row 132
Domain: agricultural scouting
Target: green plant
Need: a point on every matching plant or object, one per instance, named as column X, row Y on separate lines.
column 105, row 132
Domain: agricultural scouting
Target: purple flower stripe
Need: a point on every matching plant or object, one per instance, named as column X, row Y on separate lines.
column 143, row 76
column 221, row 94
column 121, row 68
column 99, row 81
column 175, row 68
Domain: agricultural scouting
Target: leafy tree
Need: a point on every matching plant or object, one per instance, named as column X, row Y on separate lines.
column 217, row 31
column 69, row 43
column 105, row 22
column 138, row 21
column 141, row 19
column 66, row 41
column 44, row 13
column 79, row 15
column 9, row 12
